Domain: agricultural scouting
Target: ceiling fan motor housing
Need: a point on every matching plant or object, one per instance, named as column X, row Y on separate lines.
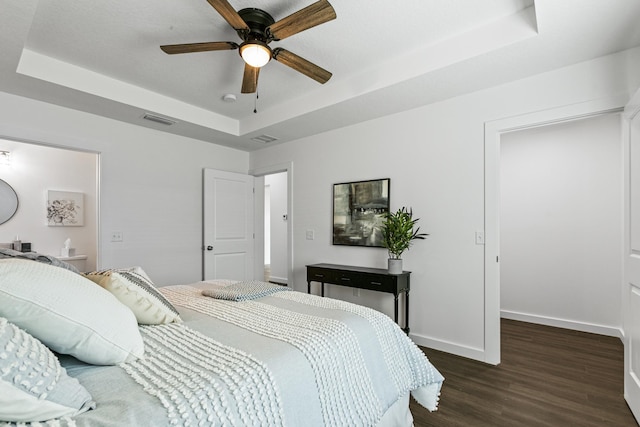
column 257, row 20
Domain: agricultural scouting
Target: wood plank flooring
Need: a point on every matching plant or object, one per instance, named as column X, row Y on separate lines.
column 548, row 377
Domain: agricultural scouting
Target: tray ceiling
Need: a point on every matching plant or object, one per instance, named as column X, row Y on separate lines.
column 104, row 58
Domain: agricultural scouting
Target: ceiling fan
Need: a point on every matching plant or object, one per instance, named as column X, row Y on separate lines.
column 257, row 29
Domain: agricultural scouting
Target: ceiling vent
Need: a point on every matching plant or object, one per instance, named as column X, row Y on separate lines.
column 158, row 119
column 265, row 139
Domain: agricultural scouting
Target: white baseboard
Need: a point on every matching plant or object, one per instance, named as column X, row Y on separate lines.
column 479, row 354
column 282, row 280
column 563, row 323
column 448, row 347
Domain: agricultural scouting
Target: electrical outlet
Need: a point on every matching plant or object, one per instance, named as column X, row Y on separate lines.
column 356, row 292
column 116, row 236
column 479, row 237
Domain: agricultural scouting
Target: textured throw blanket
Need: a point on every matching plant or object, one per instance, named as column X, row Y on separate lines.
column 203, row 382
column 244, row 291
column 349, row 393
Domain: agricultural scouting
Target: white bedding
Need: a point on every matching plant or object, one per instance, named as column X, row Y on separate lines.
column 287, row 359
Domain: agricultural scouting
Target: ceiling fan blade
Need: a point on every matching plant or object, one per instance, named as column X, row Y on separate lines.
column 229, row 14
column 301, row 65
column 308, row 17
column 198, row 47
column 250, row 79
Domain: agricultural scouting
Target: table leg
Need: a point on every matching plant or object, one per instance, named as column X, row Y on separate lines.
column 395, row 309
column 308, row 287
column 322, row 291
column 406, row 311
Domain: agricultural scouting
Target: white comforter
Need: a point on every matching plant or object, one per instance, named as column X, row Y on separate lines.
column 287, row 359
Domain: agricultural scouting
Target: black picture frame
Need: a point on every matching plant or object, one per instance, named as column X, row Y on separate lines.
column 359, row 208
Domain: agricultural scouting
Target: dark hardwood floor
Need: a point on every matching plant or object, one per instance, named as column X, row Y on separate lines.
column 548, row 377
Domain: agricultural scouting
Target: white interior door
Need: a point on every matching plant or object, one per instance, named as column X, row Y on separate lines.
column 631, row 284
column 228, row 225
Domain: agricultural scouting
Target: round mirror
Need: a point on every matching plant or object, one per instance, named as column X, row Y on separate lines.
column 8, row 202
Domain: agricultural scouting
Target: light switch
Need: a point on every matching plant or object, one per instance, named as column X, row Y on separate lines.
column 310, row 235
column 479, row 237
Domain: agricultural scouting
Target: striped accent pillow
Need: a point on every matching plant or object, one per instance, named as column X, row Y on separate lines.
column 135, row 289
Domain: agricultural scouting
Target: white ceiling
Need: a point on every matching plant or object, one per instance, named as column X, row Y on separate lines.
column 385, row 56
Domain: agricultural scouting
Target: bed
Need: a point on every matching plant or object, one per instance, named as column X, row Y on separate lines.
column 124, row 352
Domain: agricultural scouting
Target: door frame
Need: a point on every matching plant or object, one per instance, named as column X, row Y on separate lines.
column 631, row 270
column 259, row 218
column 492, row 137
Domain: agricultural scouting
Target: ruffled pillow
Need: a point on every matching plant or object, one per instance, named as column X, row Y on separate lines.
column 33, row 385
column 135, row 289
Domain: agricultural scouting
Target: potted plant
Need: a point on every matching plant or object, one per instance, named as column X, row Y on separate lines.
column 399, row 230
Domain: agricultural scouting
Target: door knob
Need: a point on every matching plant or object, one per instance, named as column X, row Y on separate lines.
column 209, row 248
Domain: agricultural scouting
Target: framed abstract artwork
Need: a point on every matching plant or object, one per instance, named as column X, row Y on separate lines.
column 358, row 212
column 65, row 209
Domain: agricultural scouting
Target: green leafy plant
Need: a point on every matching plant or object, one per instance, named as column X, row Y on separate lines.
column 399, row 230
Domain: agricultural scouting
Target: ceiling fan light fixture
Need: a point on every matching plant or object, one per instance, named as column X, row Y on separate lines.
column 255, row 53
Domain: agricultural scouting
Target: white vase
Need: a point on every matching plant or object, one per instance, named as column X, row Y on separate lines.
column 395, row 265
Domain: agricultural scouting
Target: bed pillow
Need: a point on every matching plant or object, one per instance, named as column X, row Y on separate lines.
column 34, row 256
column 68, row 313
column 134, row 289
column 33, row 385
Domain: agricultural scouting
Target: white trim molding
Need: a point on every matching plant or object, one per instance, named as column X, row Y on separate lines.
column 563, row 323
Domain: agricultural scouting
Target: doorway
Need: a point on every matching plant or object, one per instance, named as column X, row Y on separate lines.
column 275, row 228
column 277, row 232
column 493, row 134
column 561, row 225
column 35, row 171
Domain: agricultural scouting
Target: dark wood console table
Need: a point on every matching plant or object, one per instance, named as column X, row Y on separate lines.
column 374, row 279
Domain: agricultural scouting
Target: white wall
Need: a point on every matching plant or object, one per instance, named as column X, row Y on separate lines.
column 151, row 184
column 561, row 224
column 434, row 156
column 267, row 225
column 34, row 170
column 278, row 226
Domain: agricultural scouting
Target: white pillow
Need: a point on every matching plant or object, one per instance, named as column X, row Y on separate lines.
column 33, row 385
column 134, row 289
column 68, row 312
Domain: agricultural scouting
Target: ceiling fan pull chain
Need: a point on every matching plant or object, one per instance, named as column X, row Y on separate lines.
column 255, row 104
